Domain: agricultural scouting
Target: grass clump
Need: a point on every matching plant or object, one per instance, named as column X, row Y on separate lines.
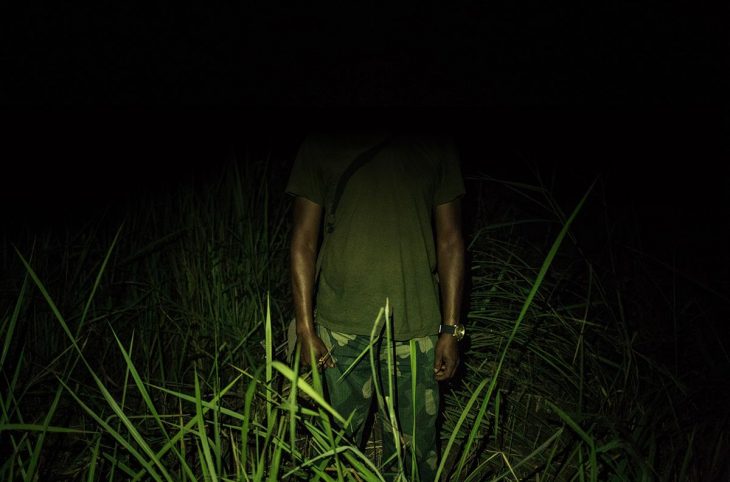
column 154, row 350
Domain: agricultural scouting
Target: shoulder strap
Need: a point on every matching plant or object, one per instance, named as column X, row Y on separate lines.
column 356, row 164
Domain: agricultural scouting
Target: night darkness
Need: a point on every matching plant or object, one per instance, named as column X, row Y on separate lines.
column 107, row 103
column 130, row 94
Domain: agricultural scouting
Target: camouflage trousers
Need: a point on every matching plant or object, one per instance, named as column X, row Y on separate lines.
column 415, row 397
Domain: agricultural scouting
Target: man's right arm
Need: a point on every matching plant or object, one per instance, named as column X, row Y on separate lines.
column 303, row 251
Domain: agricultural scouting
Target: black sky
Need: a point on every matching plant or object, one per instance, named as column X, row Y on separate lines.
column 116, row 97
column 343, row 53
column 621, row 55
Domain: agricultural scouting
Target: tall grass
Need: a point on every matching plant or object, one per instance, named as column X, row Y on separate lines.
column 154, row 350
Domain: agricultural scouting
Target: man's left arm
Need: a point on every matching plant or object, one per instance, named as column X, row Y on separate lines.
column 450, row 262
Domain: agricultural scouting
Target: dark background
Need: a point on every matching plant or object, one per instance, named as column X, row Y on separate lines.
column 112, row 100
column 325, row 53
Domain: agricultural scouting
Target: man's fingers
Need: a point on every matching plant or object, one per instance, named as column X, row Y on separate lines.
column 317, row 356
column 446, row 358
column 315, row 353
column 439, row 368
column 438, row 363
column 325, row 361
column 446, row 370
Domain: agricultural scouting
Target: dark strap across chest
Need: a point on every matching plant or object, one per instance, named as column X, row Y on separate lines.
column 362, row 159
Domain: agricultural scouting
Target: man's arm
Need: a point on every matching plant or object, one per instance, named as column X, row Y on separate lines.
column 450, row 261
column 303, row 255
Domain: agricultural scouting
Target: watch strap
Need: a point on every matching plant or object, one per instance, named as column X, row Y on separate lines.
column 450, row 329
column 457, row 331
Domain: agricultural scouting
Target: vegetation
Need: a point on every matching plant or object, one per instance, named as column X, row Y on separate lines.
column 155, row 350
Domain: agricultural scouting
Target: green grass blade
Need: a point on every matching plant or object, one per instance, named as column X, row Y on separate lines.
column 584, row 435
column 245, row 429
column 307, row 389
column 208, row 405
column 132, row 370
column 414, row 384
column 523, row 461
column 188, row 427
column 118, row 463
column 293, row 406
column 269, row 359
column 34, row 427
column 117, row 436
column 325, row 420
column 390, row 398
column 457, row 428
column 476, row 474
column 205, row 467
column 376, row 335
column 50, row 301
column 35, row 458
column 278, row 448
column 8, row 331
column 313, row 460
column 97, row 281
column 123, row 403
column 91, row 474
column 373, row 341
column 209, row 464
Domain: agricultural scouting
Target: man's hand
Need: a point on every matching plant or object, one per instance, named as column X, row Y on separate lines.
column 446, row 358
column 313, row 346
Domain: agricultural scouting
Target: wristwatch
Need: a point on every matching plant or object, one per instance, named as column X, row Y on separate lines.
column 457, row 330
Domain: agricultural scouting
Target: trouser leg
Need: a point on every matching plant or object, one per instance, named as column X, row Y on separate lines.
column 415, row 397
column 416, row 402
column 350, row 395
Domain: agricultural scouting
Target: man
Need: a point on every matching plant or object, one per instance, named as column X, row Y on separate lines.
column 379, row 244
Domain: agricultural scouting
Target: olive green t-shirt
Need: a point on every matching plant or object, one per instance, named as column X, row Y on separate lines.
column 382, row 245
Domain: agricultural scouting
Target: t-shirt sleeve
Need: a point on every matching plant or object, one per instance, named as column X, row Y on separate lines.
column 450, row 184
column 305, row 179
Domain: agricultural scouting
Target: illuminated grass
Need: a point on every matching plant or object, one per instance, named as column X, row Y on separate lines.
column 155, row 351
